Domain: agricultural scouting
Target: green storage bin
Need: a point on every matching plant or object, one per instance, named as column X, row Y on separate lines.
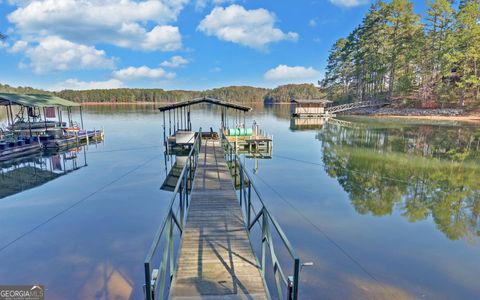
column 234, row 132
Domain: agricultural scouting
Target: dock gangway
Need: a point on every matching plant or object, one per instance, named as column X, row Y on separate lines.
column 216, row 219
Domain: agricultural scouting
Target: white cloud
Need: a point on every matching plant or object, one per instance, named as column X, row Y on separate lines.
column 312, row 22
column 164, row 38
column 348, row 3
column 119, row 22
column 56, row 54
column 19, row 46
column 75, row 84
column 174, row 62
column 201, row 4
column 284, row 72
column 252, row 28
column 133, row 73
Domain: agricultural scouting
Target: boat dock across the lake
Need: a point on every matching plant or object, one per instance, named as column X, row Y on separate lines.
column 41, row 121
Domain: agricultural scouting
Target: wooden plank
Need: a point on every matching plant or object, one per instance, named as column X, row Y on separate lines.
column 216, row 259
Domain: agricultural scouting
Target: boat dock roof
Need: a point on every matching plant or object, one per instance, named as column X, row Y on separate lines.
column 35, row 100
column 311, row 101
column 204, row 100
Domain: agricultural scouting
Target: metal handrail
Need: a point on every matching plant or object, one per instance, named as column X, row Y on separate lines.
column 263, row 218
column 171, row 221
column 348, row 106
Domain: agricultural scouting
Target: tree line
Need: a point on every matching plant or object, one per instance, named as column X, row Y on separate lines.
column 424, row 61
column 245, row 94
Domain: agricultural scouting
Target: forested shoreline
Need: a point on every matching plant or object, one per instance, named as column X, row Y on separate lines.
column 422, row 61
column 427, row 61
column 245, row 94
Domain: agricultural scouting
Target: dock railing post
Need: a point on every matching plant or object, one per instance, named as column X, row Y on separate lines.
column 264, row 240
column 181, row 200
column 235, row 169
column 296, row 273
column 241, row 183
column 170, row 251
column 185, row 182
column 148, row 286
column 190, row 173
column 249, row 204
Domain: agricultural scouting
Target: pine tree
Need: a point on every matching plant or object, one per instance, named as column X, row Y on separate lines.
column 439, row 22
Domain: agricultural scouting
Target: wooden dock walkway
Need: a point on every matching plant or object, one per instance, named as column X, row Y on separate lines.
column 216, row 259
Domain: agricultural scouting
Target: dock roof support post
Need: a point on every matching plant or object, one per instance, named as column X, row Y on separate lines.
column 81, row 117
column 164, row 137
column 8, row 114
column 189, row 121
column 58, row 116
column 45, row 119
column 181, row 117
column 11, row 113
column 221, row 113
column 178, row 115
column 69, row 111
column 169, row 124
column 174, row 121
column 29, row 125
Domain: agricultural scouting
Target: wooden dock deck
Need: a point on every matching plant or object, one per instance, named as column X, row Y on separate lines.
column 216, row 259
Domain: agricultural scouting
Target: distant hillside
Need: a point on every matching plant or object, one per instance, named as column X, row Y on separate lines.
column 285, row 93
column 5, row 88
column 246, row 94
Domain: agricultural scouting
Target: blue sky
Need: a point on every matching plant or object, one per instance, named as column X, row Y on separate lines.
column 170, row 44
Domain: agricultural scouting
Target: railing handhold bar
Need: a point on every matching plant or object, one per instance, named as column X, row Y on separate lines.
column 174, row 217
column 257, row 217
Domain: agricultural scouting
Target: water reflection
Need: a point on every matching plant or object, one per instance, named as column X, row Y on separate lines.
column 18, row 175
column 96, row 249
column 419, row 171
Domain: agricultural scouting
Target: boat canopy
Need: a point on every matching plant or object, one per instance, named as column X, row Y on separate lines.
column 311, row 101
column 35, row 100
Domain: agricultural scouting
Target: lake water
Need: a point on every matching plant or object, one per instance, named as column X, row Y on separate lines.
column 384, row 209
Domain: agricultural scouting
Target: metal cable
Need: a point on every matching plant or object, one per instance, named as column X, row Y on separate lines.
column 331, row 240
column 77, row 203
column 353, row 171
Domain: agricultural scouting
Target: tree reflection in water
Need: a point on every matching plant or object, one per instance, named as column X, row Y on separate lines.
column 419, row 171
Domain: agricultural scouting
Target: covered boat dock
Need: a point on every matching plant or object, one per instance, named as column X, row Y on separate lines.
column 35, row 105
column 179, row 113
column 40, row 120
column 179, row 119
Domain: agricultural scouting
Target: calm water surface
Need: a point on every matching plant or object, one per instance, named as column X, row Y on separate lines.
column 385, row 209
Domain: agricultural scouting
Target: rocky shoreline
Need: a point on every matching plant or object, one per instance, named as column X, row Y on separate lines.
column 389, row 111
column 448, row 114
